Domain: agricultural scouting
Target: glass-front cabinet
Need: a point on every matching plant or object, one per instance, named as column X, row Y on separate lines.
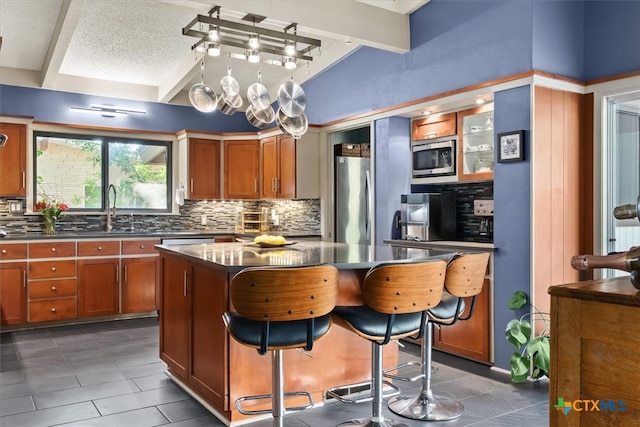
column 475, row 143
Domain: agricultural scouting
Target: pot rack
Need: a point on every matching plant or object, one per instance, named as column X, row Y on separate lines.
column 244, row 40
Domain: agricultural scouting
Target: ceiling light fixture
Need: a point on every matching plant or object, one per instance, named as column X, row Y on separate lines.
column 213, row 35
column 480, row 101
column 107, row 110
column 214, row 49
column 238, row 37
column 290, row 63
column 253, row 56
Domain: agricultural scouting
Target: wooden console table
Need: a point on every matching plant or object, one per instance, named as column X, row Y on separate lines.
column 595, row 353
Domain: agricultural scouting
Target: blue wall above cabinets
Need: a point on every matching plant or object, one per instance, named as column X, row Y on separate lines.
column 392, row 171
column 512, row 216
column 51, row 106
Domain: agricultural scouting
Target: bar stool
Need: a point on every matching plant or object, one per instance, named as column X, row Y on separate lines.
column 397, row 297
column 464, row 278
column 276, row 309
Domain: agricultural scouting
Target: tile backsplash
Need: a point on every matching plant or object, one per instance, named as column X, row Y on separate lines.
column 296, row 217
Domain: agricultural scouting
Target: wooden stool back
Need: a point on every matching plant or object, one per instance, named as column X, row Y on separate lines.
column 465, row 274
column 284, row 293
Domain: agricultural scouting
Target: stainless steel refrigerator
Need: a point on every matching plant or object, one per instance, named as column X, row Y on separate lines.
column 353, row 200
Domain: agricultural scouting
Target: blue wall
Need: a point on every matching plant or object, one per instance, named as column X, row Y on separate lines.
column 51, row 106
column 393, row 158
column 512, row 216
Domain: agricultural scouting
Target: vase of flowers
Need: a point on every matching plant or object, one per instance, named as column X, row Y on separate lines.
column 51, row 211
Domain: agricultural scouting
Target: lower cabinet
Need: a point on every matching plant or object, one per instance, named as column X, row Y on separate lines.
column 13, row 293
column 98, row 287
column 468, row 338
column 195, row 351
column 139, row 282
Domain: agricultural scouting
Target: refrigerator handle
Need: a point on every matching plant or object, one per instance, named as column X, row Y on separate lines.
column 367, row 219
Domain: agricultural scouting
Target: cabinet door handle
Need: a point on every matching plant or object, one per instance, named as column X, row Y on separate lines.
column 4, row 251
column 117, row 274
column 277, row 185
column 53, row 288
column 53, row 269
column 53, row 249
column 431, row 135
column 24, row 278
column 99, row 248
column 184, row 287
column 273, row 185
column 53, row 310
column 191, row 185
column 24, row 179
column 141, row 246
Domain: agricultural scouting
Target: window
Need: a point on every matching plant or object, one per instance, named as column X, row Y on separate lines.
column 78, row 169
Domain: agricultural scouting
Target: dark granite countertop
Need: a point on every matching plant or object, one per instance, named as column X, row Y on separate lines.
column 136, row 234
column 235, row 256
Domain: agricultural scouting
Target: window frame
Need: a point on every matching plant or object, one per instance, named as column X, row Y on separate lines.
column 107, row 139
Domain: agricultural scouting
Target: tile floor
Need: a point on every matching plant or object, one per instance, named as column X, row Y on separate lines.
column 109, row 374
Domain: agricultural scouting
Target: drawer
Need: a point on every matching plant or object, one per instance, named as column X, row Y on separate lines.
column 52, row 288
column 107, row 247
column 52, row 250
column 132, row 247
column 13, row 251
column 52, row 269
column 434, row 126
column 52, row 309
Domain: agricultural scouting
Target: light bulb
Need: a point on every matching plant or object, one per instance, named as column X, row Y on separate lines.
column 290, row 63
column 290, row 49
column 254, row 42
column 253, row 56
column 214, row 49
column 214, row 35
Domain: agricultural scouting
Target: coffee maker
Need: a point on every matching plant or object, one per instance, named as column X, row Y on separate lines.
column 427, row 216
column 484, row 209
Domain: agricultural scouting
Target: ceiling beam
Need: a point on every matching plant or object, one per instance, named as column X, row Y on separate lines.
column 70, row 12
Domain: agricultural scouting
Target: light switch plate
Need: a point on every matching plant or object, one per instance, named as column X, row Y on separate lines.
column 483, row 207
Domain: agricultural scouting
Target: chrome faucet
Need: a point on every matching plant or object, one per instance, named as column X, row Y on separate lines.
column 111, row 212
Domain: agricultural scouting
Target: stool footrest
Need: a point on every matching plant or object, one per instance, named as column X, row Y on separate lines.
column 403, row 378
column 359, row 393
column 269, row 396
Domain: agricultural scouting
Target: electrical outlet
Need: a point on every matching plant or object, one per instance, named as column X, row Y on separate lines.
column 483, row 207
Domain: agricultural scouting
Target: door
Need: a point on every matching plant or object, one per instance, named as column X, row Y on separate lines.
column 13, row 293
column 98, row 287
column 204, row 169
column 139, row 284
column 13, row 153
column 269, row 175
column 174, row 315
column 353, row 200
column 241, row 166
column 622, row 173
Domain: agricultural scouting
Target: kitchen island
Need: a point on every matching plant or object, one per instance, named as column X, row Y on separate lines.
column 216, row 370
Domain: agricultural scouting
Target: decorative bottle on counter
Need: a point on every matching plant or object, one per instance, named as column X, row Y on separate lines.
column 625, row 261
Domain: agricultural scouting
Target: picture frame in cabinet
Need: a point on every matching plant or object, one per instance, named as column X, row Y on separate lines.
column 510, row 146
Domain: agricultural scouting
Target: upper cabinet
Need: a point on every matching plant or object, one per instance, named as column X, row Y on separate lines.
column 435, row 126
column 278, row 172
column 13, row 157
column 241, row 167
column 204, row 169
column 475, row 143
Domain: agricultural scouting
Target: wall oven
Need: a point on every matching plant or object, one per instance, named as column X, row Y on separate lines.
column 432, row 158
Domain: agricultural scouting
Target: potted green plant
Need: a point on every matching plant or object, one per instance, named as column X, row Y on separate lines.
column 534, row 351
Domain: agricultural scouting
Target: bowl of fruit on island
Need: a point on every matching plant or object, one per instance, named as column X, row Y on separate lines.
column 268, row 241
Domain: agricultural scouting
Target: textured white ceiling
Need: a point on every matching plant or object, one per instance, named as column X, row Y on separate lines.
column 135, row 48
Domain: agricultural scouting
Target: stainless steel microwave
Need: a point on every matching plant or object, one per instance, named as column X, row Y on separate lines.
column 433, row 157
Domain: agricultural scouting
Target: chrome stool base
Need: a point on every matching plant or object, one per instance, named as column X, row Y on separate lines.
column 368, row 422
column 426, row 407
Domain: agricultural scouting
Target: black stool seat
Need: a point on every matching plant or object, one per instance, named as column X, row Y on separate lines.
column 450, row 308
column 291, row 334
column 372, row 324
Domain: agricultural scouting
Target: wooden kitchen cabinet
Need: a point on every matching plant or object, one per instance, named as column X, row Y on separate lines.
column 139, row 282
column 476, row 144
column 195, row 350
column 174, row 315
column 241, row 169
column 278, row 171
column 52, row 284
column 434, row 126
column 98, row 287
column 204, row 169
column 13, row 158
column 13, row 293
column 468, row 338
